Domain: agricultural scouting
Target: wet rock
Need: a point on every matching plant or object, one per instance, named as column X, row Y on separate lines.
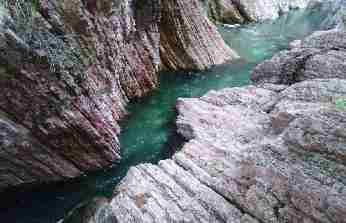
column 97, row 210
column 321, row 55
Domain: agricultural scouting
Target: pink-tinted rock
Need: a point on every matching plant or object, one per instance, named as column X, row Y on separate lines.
column 69, row 67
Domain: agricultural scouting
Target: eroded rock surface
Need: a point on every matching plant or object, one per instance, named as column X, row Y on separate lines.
column 73, row 107
column 321, row 55
column 188, row 39
column 68, row 69
column 254, row 154
column 240, row 11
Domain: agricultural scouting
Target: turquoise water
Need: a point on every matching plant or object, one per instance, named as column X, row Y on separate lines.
column 148, row 132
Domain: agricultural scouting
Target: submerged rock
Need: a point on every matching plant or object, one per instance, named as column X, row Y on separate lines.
column 97, row 210
column 68, row 69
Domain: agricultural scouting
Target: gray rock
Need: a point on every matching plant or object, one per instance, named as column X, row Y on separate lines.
column 330, row 39
column 321, row 55
column 241, row 11
column 271, row 154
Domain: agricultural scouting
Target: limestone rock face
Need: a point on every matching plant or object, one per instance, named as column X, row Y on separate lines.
column 240, row 11
column 254, row 154
column 69, row 68
column 321, row 55
column 188, row 39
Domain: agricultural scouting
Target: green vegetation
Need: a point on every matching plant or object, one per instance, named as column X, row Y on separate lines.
column 56, row 50
column 341, row 103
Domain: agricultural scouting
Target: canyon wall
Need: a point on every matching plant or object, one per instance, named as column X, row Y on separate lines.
column 67, row 70
column 241, row 11
column 188, row 39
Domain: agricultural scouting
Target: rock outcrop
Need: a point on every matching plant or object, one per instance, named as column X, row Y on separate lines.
column 321, row 55
column 188, row 39
column 240, row 11
column 259, row 154
column 254, row 154
column 68, row 69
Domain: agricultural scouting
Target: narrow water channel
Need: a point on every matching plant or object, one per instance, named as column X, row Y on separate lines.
column 148, row 132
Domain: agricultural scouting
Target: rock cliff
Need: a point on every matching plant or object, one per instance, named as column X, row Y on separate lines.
column 259, row 154
column 68, row 69
column 240, row 11
column 188, row 39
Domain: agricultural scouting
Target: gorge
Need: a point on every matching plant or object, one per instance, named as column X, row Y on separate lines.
column 151, row 122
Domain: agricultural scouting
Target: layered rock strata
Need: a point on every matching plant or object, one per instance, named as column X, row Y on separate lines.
column 272, row 154
column 189, row 41
column 266, row 153
column 68, row 69
column 240, row 11
column 322, row 55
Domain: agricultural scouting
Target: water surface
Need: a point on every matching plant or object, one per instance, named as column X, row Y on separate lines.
column 148, row 133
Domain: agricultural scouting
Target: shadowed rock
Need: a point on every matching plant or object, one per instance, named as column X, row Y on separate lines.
column 97, row 210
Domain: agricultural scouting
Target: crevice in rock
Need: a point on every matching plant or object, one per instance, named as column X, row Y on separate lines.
column 235, row 204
